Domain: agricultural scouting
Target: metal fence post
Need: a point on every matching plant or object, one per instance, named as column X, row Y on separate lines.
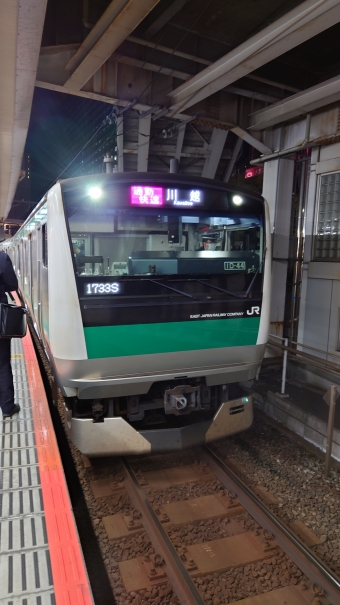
column 330, row 398
column 284, row 369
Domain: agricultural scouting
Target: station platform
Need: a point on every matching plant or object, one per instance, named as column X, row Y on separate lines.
column 41, row 561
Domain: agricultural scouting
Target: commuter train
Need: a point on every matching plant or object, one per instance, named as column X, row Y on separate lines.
column 150, row 295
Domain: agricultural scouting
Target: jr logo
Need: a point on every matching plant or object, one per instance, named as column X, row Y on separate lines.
column 255, row 310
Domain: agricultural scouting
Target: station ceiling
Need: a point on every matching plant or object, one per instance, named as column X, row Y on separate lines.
column 180, row 78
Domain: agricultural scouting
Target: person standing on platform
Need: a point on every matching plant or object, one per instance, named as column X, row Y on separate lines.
column 8, row 283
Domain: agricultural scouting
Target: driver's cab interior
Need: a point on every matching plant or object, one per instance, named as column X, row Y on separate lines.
column 122, row 244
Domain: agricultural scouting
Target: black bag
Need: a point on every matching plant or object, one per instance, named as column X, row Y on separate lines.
column 12, row 321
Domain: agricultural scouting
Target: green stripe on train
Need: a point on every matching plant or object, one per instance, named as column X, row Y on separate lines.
column 144, row 339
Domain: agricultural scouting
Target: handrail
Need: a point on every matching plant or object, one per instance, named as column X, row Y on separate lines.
column 324, row 364
column 298, row 344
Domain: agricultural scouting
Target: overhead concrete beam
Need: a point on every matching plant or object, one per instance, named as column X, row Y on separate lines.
column 188, row 151
column 102, row 98
column 166, row 15
column 245, row 136
column 21, row 28
column 230, row 167
column 143, row 143
column 90, row 95
column 179, row 142
column 217, row 142
column 119, row 20
column 181, row 75
column 302, row 103
column 167, row 71
column 167, row 49
column 196, row 59
column 298, row 25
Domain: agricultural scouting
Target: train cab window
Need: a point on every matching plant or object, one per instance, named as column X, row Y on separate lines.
column 193, row 233
column 44, row 245
column 136, row 243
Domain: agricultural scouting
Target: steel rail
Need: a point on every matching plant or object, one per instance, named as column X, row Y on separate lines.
column 298, row 552
column 181, row 581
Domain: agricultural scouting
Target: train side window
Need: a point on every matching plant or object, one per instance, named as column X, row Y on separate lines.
column 44, row 245
column 17, row 259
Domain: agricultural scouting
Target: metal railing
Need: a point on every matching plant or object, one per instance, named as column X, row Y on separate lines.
column 330, row 396
column 295, row 352
column 284, row 347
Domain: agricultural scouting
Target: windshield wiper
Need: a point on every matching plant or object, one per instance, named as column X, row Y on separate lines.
column 169, row 288
column 259, row 268
column 220, row 289
column 246, row 294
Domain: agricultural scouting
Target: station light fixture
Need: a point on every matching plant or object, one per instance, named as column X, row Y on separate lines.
column 238, row 200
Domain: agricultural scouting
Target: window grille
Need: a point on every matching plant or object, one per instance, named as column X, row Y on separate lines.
column 327, row 240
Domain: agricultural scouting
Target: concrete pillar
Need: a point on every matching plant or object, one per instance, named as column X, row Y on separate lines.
column 308, row 251
column 278, row 190
column 120, row 144
column 174, row 165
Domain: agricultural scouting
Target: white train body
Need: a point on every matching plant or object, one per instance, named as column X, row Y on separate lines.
column 108, row 349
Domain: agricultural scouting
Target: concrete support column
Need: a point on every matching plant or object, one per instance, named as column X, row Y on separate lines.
column 278, row 190
column 308, row 252
column 143, row 143
column 120, row 144
column 173, row 165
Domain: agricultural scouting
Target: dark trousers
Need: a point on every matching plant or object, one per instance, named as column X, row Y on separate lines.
column 6, row 377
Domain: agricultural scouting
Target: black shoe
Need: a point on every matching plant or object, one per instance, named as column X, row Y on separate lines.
column 15, row 410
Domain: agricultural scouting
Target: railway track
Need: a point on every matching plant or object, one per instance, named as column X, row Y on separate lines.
column 195, row 534
column 166, row 506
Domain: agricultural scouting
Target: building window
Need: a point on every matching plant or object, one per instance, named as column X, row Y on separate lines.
column 327, row 240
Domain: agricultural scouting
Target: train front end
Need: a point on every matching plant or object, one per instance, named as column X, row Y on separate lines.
column 168, row 310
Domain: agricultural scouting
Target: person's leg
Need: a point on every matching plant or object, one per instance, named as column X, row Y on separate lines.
column 6, row 377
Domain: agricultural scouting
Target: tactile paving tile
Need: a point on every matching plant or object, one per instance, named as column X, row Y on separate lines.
column 43, row 599
column 15, row 441
column 28, row 572
column 21, row 502
column 18, row 457
column 25, row 567
column 16, row 478
column 22, row 533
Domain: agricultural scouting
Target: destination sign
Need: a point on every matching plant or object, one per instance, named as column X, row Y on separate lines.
column 151, row 196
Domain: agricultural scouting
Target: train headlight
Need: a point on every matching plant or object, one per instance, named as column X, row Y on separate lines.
column 238, row 200
column 95, row 193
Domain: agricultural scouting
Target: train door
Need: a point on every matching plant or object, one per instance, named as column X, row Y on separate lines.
column 27, row 269
column 43, row 315
column 21, row 266
column 34, row 272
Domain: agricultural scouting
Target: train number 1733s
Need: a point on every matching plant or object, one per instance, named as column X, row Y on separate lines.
column 102, row 288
